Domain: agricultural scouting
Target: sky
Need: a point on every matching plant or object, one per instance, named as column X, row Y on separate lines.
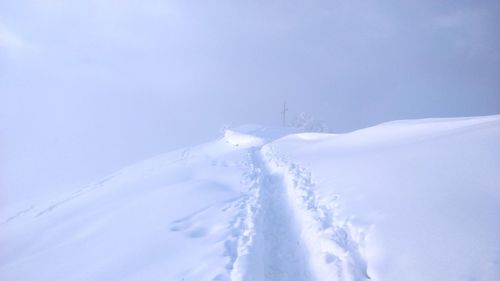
column 90, row 86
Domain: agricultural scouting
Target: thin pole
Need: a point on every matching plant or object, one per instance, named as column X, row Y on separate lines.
column 285, row 109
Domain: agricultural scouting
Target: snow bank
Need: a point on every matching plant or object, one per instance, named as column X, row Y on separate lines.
column 426, row 193
column 237, row 139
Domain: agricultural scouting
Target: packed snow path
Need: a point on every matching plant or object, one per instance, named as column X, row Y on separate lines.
column 290, row 235
column 277, row 252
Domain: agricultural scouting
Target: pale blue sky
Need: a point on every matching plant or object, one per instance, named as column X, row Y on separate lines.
column 89, row 86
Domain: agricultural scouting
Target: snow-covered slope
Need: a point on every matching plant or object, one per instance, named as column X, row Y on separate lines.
column 406, row 200
column 423, row 196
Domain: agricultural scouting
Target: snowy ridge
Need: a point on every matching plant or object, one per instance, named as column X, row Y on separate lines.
column 397, row 201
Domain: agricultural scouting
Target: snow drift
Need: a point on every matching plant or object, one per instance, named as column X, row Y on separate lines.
column 408, row 200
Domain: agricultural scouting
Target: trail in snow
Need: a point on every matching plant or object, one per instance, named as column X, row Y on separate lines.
column 288, row 234
column 333, row 245
column 277, row 252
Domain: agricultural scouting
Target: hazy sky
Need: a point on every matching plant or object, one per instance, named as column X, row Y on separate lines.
column 89, row 86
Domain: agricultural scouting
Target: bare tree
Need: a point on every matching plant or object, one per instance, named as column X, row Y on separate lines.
column 307, row 123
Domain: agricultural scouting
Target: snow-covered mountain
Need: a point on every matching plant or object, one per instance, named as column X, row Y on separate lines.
column 414, row 200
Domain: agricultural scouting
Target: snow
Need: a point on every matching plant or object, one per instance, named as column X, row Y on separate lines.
column 405, row 200
column 424, row 194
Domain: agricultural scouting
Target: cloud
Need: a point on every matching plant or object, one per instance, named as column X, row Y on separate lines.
column 11, row 42
column 471, row 32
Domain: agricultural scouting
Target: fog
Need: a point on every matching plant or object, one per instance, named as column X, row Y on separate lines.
column 87, row 87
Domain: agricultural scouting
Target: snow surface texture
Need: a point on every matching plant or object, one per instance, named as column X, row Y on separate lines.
column 411, row 200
